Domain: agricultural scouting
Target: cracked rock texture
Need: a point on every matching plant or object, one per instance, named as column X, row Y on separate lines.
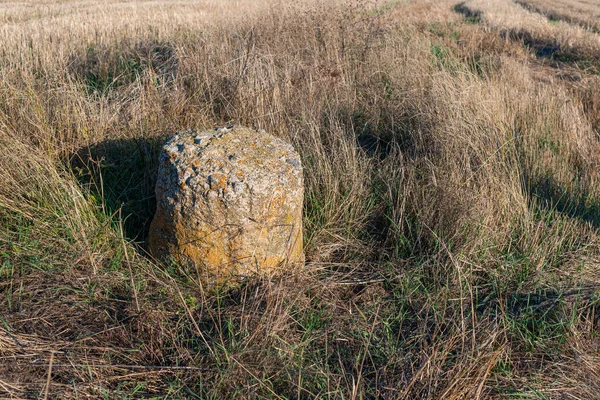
column 229, row 203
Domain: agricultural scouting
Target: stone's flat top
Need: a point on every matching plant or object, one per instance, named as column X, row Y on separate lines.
column 227, row 161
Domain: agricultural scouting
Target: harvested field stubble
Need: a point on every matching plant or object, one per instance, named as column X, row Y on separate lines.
column 452, row 204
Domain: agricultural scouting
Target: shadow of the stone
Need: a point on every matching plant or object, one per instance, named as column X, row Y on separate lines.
column 120, row 174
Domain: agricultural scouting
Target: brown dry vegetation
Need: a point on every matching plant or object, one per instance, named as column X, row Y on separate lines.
column 452, row 213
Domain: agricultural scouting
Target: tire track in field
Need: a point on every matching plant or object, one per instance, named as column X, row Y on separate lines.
column 551, row 44
column 555, row 60
column 554, row 16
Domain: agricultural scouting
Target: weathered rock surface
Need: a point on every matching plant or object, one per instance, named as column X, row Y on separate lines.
column 229, row 203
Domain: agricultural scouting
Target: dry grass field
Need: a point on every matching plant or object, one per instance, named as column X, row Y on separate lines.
column 451, row 153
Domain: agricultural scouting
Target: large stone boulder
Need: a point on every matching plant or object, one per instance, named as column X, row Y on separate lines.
column 229, row 204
